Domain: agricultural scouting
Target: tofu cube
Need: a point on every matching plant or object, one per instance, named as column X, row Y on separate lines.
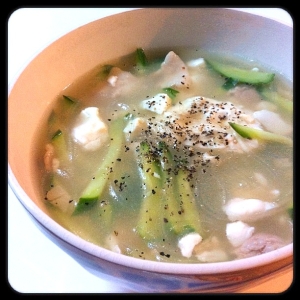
column 158, row 104
column 90, row 131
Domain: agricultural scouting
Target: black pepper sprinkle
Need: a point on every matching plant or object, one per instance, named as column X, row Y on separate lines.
column 163, row 254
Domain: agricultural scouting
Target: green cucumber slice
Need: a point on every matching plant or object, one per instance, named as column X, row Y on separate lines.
column 241, row 75
column 253, row 133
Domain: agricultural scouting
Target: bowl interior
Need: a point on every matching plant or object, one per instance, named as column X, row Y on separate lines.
column 215, row 29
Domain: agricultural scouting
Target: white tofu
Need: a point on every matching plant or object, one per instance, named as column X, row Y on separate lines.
column 238, row 232
column 247, row 209
column 90, row 131
column 173, row 72
column 119, row 83
column 158, row 104
column 272, row 121
column 135, row 127
column 59, row 197
column 188, row 242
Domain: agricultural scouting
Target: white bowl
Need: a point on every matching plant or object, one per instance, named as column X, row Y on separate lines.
column 265, row 40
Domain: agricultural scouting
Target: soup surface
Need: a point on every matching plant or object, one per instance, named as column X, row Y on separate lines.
column 176, row 156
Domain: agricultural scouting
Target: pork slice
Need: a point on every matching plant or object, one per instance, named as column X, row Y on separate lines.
column 259, row 243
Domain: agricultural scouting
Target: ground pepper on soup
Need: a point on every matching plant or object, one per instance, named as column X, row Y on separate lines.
column 176, row 156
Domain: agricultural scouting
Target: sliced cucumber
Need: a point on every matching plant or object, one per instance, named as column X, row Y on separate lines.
column 150, row 221
column 97, row 184
column 60, row 145
column 253, row 133
column 141, row 59
column 181, row 210
column 241, row 75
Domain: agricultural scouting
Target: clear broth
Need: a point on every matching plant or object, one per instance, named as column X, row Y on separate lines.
column 234, row 177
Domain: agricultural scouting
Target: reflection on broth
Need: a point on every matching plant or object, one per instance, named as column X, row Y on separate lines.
column 176, row 156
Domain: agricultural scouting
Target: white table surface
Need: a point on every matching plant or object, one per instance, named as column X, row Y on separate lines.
column 34, row 263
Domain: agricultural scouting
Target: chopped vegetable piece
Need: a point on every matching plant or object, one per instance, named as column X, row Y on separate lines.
column 185, row 194
column 104, row 71
column 129, row 116
column 230, row 83
column 141, row 59
column 253, row 133
column 66, row 109
column 171, row 92
column 60, row 145
column 69, row 104
column 150, row 221
column 182, row 212
column 58, row 116
column 173, row 210
column 70, row 100
column 241, row 75
column 97, row 184
column 56, row 135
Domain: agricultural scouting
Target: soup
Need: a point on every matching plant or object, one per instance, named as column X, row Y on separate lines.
column 173, row 155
